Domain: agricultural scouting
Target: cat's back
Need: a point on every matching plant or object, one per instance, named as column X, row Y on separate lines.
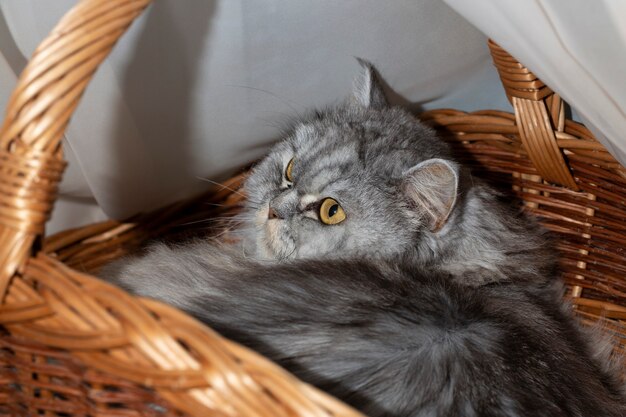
column 411, row 342
column 489, row 351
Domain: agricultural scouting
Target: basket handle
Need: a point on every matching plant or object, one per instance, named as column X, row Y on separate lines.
column 539, row 113
column 38, row 112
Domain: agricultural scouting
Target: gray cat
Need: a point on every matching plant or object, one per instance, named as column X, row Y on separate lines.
column 373, row 266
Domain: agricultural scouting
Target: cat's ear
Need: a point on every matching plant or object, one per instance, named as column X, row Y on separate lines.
column 367, row 90
column 433, row 186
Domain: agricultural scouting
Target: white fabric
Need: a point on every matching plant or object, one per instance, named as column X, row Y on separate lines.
column 200, row 88
column 577, row 47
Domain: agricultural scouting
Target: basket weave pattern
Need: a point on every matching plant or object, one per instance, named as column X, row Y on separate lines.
column 72, row 345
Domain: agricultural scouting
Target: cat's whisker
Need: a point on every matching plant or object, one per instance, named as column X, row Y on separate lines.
column 288, row 103
column 291, row 253
column 224, row 187
column 213, row 219
column 258, row 203
column 223, row 232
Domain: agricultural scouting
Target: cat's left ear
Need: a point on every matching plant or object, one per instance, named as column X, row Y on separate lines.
column 433, row 187
column 367, row 90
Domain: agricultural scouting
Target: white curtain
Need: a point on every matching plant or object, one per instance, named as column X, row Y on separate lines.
column 577, row 47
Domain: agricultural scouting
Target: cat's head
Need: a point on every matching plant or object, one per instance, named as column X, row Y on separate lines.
column 364, row 178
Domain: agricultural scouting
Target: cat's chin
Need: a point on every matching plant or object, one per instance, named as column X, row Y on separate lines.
column 274, row 242
column 266, row 253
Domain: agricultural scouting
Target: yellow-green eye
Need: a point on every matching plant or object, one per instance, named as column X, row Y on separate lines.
column 331, row 212
column 288, row 171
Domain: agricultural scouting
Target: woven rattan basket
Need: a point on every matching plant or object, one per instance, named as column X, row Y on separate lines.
column 71, row 345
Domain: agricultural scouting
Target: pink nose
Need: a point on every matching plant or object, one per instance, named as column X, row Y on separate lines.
column 273, row 214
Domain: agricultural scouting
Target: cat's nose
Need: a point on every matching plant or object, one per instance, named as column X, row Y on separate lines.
column 282, row 206
column 273, row 214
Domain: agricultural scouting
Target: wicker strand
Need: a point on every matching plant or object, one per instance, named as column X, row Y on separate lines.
column 539, row 115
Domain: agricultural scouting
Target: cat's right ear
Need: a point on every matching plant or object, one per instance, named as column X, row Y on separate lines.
column 367, row 90
column 432, row 186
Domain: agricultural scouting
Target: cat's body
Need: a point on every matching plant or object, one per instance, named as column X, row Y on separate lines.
column 391, row 338
column 371, row 265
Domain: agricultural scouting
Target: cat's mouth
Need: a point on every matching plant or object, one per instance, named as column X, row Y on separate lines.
column 274, row 241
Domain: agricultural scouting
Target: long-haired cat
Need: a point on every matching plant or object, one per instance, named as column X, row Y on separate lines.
column 375, row 267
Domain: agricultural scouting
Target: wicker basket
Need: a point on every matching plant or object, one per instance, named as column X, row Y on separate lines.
column 71, row 345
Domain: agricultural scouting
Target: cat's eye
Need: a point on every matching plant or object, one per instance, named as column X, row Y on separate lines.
column 289, row 170
column 331, row 212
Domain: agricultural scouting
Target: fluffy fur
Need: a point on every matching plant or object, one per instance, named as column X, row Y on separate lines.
column 432, row 297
